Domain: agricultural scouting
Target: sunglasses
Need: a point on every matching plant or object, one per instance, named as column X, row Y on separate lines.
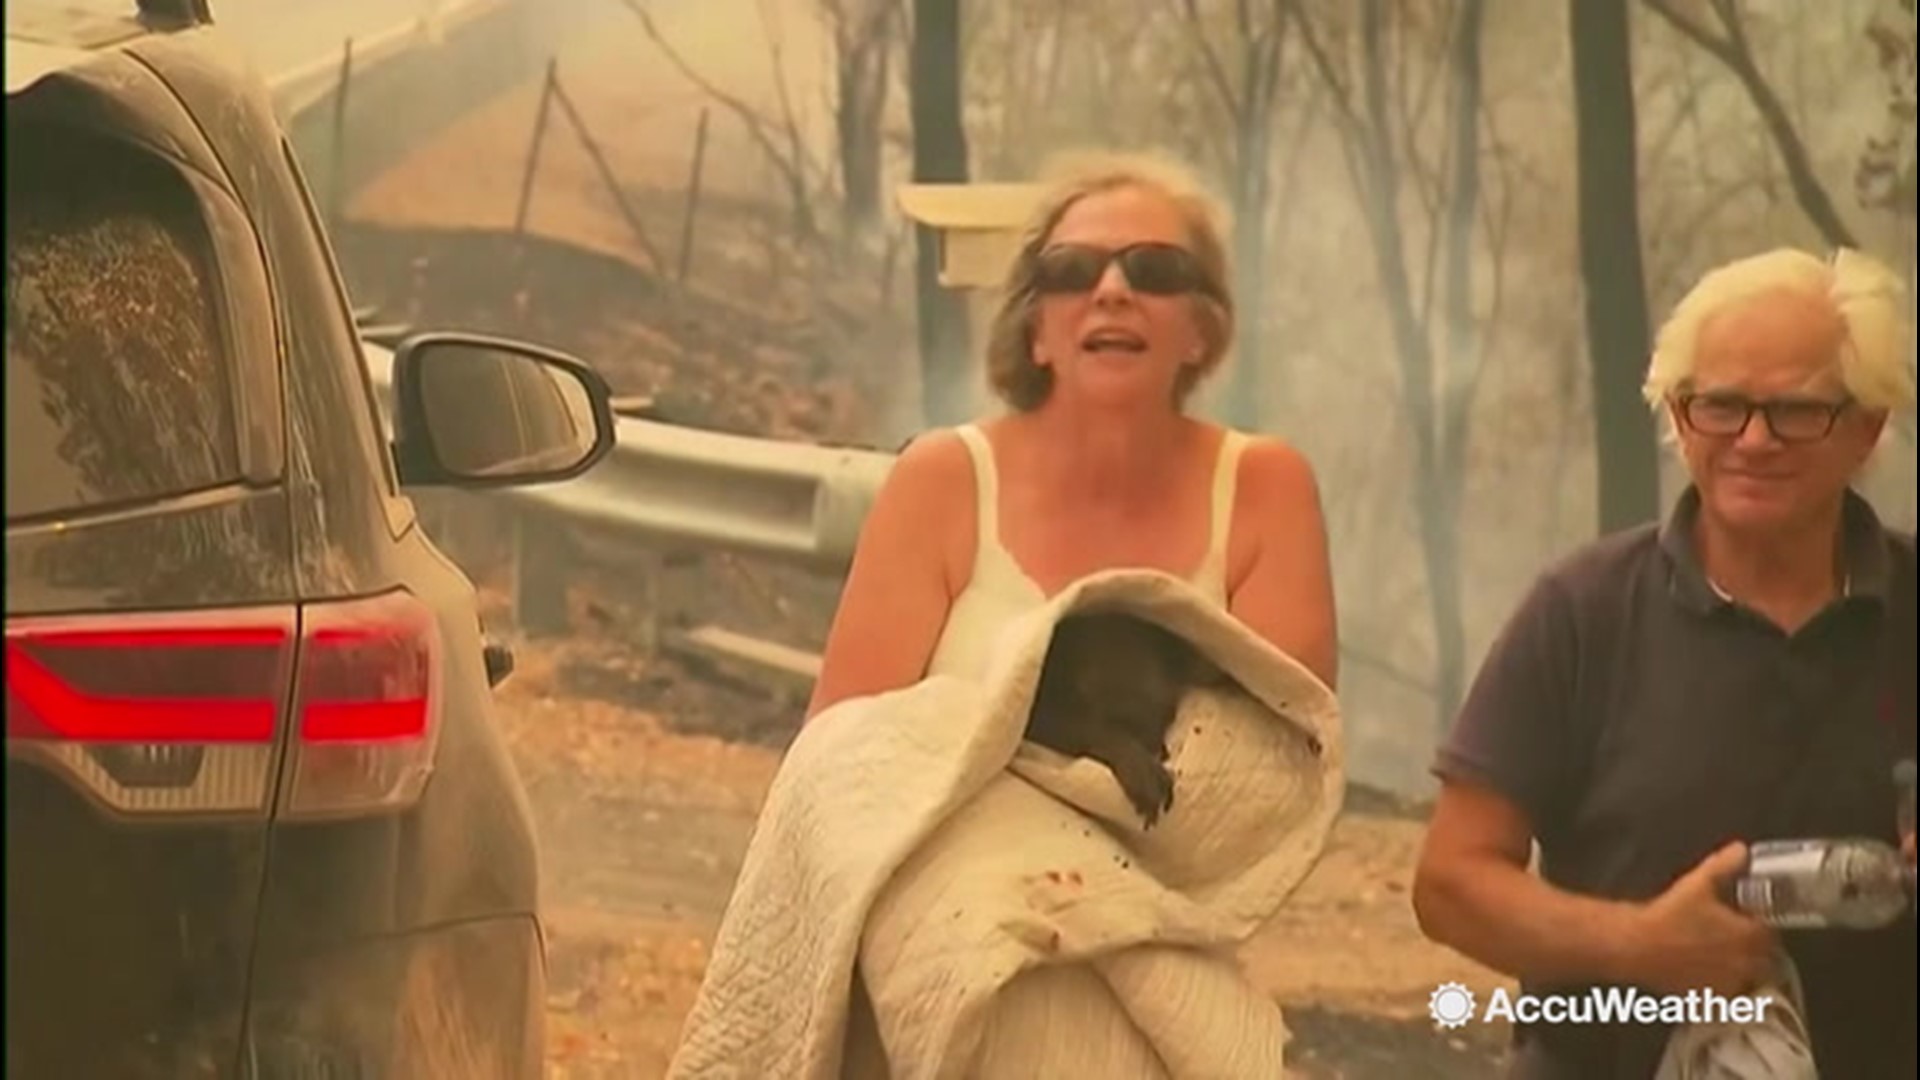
column 1152, row 268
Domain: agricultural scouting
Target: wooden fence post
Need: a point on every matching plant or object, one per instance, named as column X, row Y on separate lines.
column 693, row 199
column 337, row 185
column 533, row 148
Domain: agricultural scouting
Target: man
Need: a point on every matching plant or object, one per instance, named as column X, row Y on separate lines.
column 1665, row 696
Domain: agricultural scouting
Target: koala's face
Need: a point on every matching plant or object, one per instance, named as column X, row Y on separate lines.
column 1128, row 673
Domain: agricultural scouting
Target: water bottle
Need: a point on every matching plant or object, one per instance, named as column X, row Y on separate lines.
column 1851, row 884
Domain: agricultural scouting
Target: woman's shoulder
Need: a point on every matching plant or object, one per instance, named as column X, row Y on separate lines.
column 1259, row 452
column 938, row 455
column 926, row 506
column 1272, row 470
column 931, row 470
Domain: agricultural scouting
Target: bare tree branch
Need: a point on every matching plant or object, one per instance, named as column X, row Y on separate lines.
column 1731, row 47
column 1466, row 356
column 796, row 168
column 777, row 53
column 1215, row 70
column 1685, row 112
column 1496, row 222
column 1344, row 115
column 1675, row 241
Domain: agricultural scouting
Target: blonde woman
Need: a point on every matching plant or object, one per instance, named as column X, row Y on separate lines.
column 1115, row 308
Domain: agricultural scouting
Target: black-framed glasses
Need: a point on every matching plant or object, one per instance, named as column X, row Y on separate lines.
column 1154, row 268
column 1792, row 420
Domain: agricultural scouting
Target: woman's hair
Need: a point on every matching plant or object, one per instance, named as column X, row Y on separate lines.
column 1014, row 376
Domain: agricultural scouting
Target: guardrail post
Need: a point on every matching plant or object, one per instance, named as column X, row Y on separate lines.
column 542, row 564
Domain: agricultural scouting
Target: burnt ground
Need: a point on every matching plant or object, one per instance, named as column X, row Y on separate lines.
column 752, row 362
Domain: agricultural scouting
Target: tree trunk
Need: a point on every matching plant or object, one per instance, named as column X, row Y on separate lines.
column 939, row 156
column 860, row 101
column 1616, row 301
column 1461, row 376
column 1437, row 511
column 1252, row 194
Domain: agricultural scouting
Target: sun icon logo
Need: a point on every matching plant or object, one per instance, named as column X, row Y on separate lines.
column 1450, row 1005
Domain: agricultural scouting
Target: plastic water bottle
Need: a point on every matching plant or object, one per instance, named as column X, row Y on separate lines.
column 1852, row 884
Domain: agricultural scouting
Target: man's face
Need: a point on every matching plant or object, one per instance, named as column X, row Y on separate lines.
column 1766, row 425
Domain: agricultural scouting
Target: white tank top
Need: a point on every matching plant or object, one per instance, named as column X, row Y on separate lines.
column 1000, row 591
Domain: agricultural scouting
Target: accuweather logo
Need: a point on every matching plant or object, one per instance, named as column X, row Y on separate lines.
column 1452, row 1005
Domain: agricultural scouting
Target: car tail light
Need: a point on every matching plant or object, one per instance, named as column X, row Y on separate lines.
column 179, row 713
column 366, row 704
column 154, row 713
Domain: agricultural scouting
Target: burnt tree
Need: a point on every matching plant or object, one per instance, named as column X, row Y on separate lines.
column 1610, row 266
column 1438, row 383
column 1247, row 89
column 1731, row 47
column 863, row 55
column 939, row 157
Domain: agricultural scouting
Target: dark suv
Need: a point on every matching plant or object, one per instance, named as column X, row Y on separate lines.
column 259, row 821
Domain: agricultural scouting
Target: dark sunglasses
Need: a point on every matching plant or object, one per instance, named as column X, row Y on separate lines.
column 1153, row 268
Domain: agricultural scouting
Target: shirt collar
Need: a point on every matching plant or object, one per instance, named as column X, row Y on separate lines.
column 1863, row 549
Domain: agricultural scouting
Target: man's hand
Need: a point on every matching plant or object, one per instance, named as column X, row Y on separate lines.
column 1690, row 938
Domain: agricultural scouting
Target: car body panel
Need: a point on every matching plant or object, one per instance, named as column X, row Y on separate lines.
column 258, row 947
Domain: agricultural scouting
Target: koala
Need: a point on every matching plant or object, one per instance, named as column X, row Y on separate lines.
column 1109, row 689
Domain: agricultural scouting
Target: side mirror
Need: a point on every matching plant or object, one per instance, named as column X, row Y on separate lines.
column 477, row 411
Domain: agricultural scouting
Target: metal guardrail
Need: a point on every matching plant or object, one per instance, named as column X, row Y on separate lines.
column 299, row 88
column 669, row 486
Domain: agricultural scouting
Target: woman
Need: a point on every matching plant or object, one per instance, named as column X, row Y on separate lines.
column 1115, row 308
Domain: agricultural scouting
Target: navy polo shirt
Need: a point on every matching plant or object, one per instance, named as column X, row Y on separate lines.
column 1642, row 719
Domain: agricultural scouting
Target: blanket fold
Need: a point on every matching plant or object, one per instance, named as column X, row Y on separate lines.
column 1775, row 1047
column 1001, row 906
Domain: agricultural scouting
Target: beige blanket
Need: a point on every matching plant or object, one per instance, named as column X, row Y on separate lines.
column 1001, row 905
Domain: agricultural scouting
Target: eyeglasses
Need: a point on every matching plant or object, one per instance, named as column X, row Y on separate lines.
column 1153, row 268
column 1791, row 420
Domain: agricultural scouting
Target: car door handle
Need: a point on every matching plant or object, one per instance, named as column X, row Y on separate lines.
column 499, row 657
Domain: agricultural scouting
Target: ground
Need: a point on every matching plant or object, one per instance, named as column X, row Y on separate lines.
column 646, row 774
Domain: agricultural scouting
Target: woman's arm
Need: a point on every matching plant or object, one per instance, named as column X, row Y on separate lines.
column 895, row 601
column 1285, row 592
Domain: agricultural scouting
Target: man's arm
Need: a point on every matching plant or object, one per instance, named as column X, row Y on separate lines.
column 1503, row 771
column 1473, row 892
column 1508, row 768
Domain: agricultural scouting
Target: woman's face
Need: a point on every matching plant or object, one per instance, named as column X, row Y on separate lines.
column 1117, row 282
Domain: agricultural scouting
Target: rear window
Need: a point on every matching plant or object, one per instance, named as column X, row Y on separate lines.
column 117, row 383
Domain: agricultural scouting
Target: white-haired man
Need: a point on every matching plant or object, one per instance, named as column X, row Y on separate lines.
column 1743, row 670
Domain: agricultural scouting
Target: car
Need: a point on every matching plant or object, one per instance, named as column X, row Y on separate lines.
column 260, row 821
